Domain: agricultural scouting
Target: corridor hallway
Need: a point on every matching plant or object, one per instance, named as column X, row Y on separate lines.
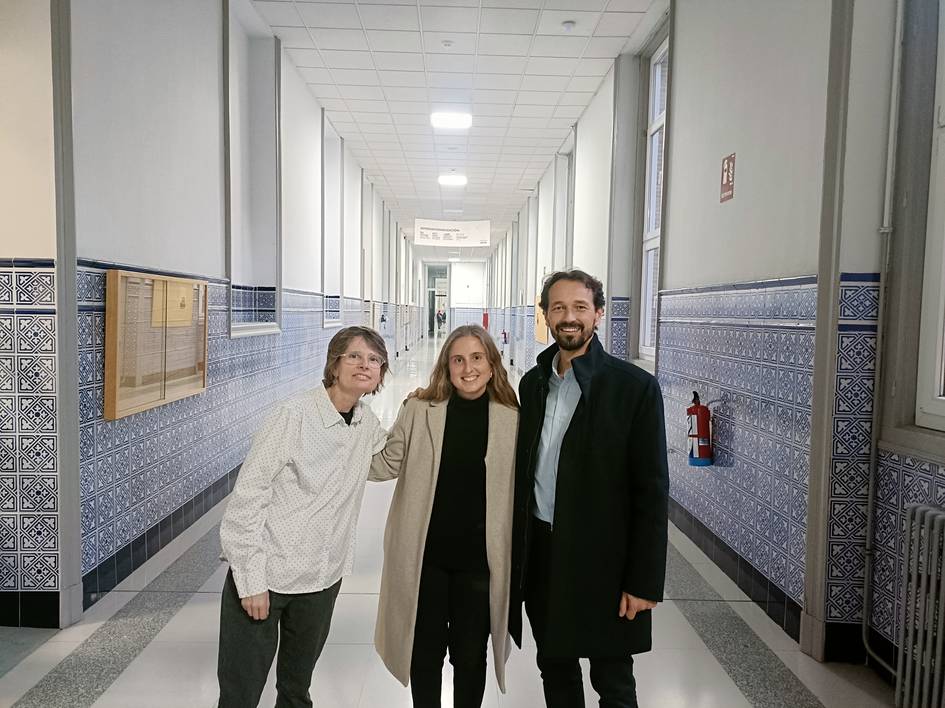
column 153, row 640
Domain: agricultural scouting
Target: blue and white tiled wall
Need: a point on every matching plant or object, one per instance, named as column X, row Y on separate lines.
column 29, row 458
column 618, row 324
column 253, row 303
column 748, row 349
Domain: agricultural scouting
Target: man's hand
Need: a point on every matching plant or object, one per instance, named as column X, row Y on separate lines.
column 630, row 605
column 257, row 606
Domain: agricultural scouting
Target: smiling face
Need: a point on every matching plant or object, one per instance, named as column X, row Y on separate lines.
column 470, row 371
column 358, row 369
column 571, row 315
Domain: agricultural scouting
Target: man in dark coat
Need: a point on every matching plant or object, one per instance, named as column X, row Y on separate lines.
column 591, row 494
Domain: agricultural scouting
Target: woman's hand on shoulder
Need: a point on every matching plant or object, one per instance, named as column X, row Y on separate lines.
column 413, row 394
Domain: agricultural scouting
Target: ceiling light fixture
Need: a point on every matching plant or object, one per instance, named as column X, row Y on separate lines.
column 451, row 121
column 447, row 43
column 452, row 211
column 452, row 180
column 568, row 26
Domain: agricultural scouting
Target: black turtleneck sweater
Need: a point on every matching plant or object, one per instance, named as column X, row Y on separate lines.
column 456, row 538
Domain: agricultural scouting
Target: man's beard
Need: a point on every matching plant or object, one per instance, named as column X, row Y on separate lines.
column 571, row 341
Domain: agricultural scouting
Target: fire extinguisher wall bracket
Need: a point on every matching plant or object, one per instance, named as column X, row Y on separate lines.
column 700, row 433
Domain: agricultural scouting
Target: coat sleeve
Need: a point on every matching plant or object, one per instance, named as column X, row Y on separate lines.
column 645, row 571
column 386, row 464
column 241, row 530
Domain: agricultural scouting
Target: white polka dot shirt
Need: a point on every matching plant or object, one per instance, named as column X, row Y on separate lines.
column 291, row 521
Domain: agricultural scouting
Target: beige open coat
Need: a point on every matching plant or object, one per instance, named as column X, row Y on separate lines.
column 412, row 456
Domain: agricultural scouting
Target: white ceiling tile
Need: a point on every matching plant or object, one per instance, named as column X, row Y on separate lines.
column 550, row 46
column 535, row 122
column 404, row 119
column 294, row 37
column 492, row 121
column 347, row 129
column 441, row 95
column 498, row 82
column 628, row 5
column 510, row 44
column 460, row 43
column 593, row 5
column 618, row 24
column 593, row 67
column 537, row 98
column 560, row 123
column 544, row 83
column 390, row 41
column 446, row 80
column 368, row 93
column 403, row 78
column 549, row 66
column 486, row 130
column 333, row 104
column 414, row 131
column 352, row 39
column 329, row 15
column 324, row 91
column 604, row 47
column 575, row 99
column 491, row 109
column 398, row 61
column 568, row 111
column 584, row 83
column 342, row 116
column 337, row 59
column 305, row 57
column 527, row 111
column 487, row 64
column 463, row 63
column 508, row 21
column 485, row 96
column 405, row 93
column 356, row 77
column 279, row 13
column 449, row 19
column 550, row 22
column 316, row 76
column 421, row 107
column 369, row 107
column 389, row 17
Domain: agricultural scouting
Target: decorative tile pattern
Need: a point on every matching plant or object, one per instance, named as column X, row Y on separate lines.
column 332, row 312
column 748, row 350
column 618, row 324
column 29, row 482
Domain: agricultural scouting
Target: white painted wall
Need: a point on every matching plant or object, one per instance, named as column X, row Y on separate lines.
column 377, row 248
column 301, row 182
column 367, row 238
column 771, row 227
column 546, row 217
column 27, row 167
column 561, row 166
column 352, row 225
column 332, row 175
column 592, row 170
column 531, row 277
column 467, row 284
column 241, row 157
column 874, row 26
column 265, row 198
column 147, row 98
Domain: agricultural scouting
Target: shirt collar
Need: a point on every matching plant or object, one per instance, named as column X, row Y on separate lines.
column 329, row 414
column 554, row 378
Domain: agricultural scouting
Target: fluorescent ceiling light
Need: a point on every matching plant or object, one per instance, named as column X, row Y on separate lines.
column 452, row 180
column 451, row 121
column 452, row 211
column 454, row 260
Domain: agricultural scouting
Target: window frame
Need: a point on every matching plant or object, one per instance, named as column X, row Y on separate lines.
column 651, row 237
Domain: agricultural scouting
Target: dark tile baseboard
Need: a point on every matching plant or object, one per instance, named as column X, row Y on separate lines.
column 96, row 583
column 30, row 609
column 764, row 593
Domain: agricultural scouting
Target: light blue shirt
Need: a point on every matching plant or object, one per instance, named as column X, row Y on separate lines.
column 563, row 396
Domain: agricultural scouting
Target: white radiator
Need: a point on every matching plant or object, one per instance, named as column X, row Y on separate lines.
column 919, row 672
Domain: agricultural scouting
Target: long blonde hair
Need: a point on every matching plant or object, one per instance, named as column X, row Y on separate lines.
column 441, row 388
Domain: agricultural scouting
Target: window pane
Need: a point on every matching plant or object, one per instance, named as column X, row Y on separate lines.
column 654, row 184
column 651, row 266
column 659, row 81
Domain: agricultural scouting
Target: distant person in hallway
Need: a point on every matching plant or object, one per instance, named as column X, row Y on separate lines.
column 288, row 531
column 440, row 320
column 591, row 495
column 447, row 546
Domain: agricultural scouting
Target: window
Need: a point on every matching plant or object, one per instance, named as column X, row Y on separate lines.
column 653, row 208
column 930, row 393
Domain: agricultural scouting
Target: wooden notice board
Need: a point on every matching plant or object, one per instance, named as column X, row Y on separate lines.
column 155, row 340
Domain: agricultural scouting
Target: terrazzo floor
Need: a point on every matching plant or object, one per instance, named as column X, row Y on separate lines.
column 153, row 640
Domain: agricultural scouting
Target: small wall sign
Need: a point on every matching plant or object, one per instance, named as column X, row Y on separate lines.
column 728, row 178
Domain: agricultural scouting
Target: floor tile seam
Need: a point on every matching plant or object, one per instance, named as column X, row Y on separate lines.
column 63, row 671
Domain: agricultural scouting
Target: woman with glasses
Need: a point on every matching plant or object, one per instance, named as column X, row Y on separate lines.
column 289, row 528
column 447, row 547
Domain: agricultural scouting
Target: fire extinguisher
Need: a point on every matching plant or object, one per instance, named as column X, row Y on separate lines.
column 700, row 433
column 505, row 337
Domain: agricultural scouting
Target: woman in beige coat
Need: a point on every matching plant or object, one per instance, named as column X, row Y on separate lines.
column 447, row 547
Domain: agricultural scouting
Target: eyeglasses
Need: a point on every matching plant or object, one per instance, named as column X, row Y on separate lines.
column 372, row 361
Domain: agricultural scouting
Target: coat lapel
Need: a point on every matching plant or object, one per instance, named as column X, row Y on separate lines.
column 436, row 424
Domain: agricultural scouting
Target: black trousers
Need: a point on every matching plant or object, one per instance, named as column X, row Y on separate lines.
column 297, row 623
column 452, row 612
column 563, row 683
